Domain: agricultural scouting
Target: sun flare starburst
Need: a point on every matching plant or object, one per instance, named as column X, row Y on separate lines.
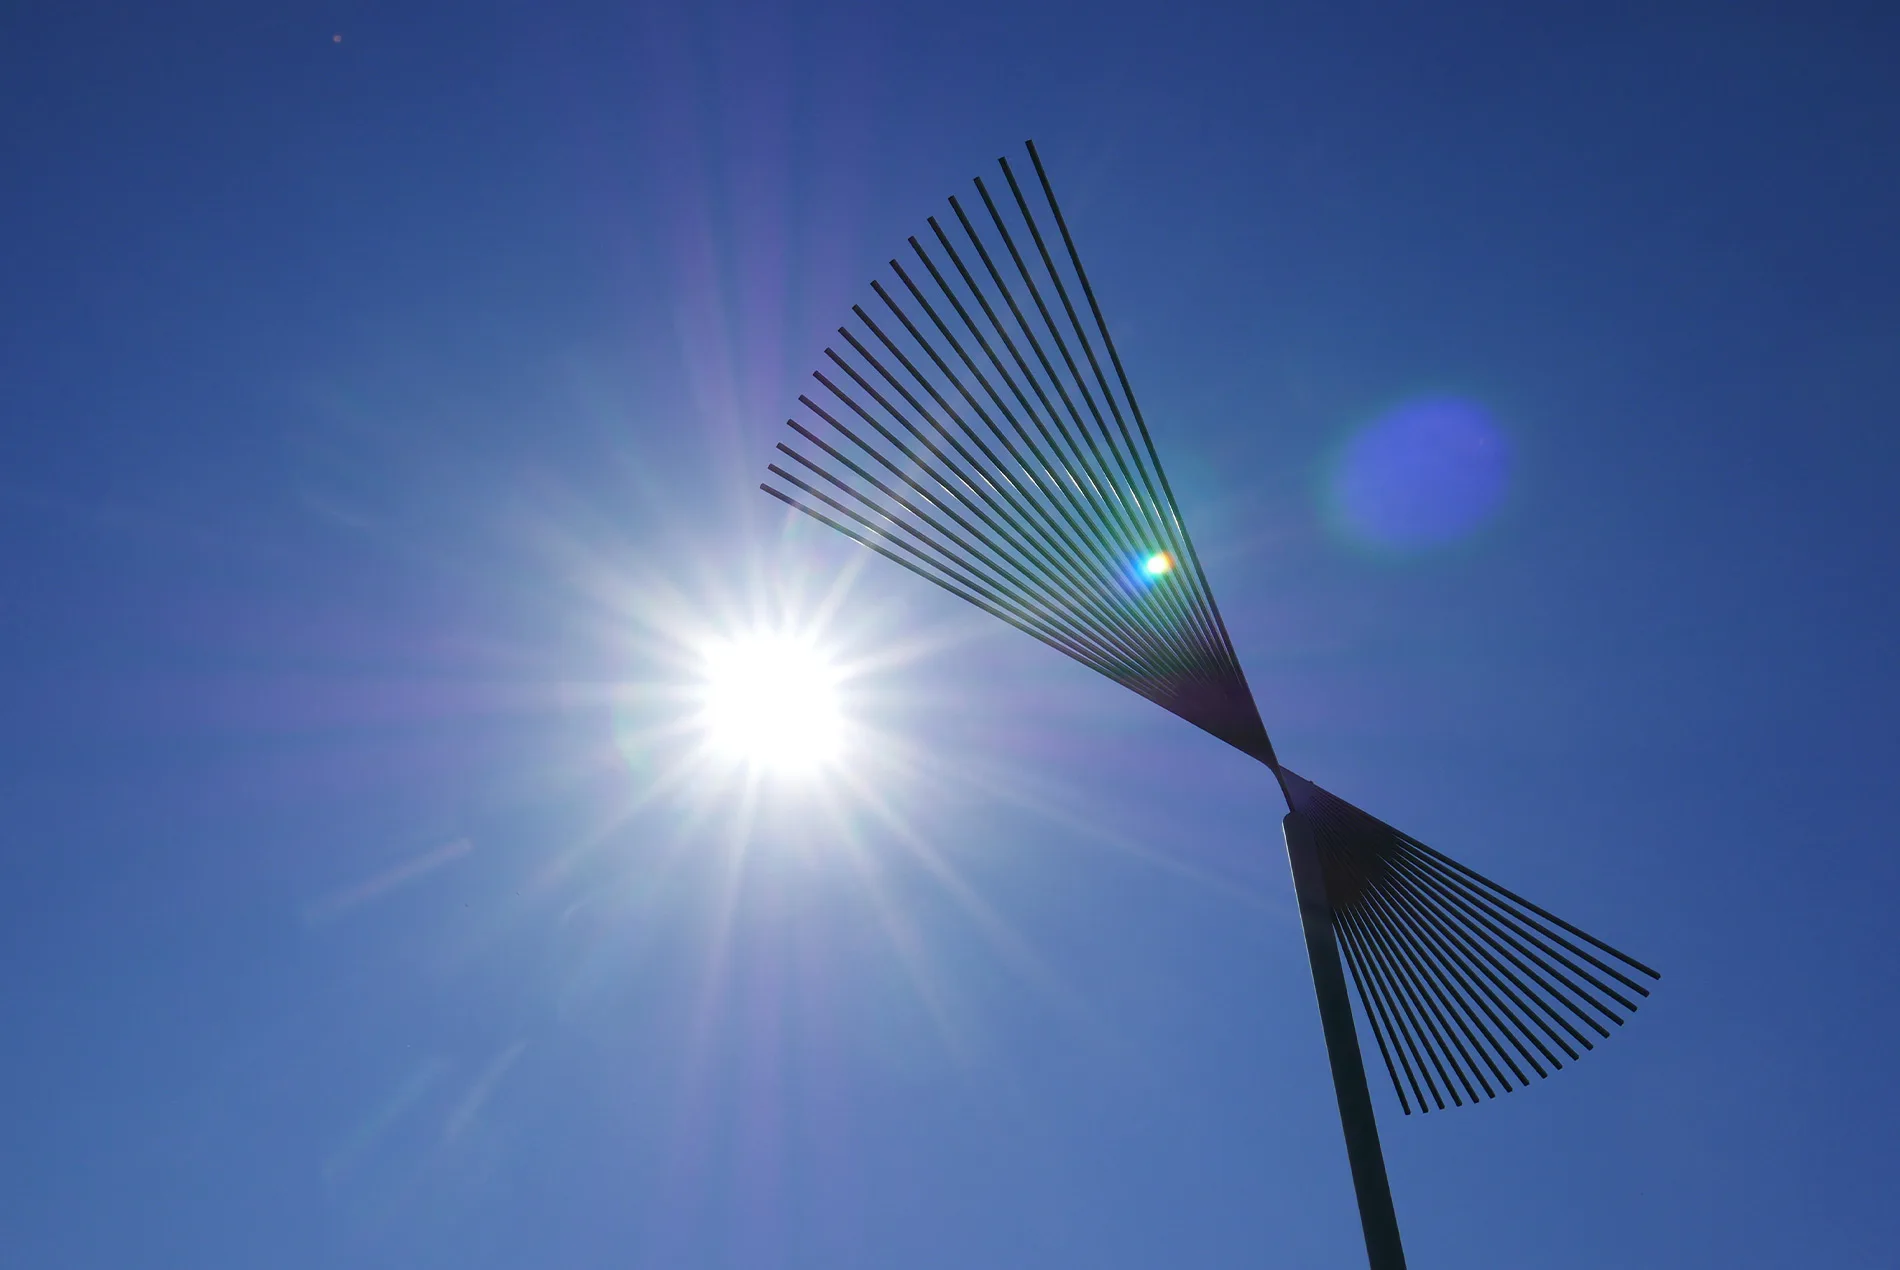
column 772, row 702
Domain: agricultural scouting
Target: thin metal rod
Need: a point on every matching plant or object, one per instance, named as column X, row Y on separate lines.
column 1374, row 1007
column 1447, row 962
column 1073, row 460
column 953, row 587
column 1456, row 1015
column 1399, row 1013
column 1377, row 1219
column 1074, row 498
column 1123, row 502
column 971, row 560
column 1108, row 343
column 1141, row 527
column 1079, row 642
column 1375, row 906
column 1405, row 958
column 1445, row 860
column 1008, row 524
column 1485, row 930
column 1412, row 1016
column 1472, row 943
column 1027, row 559
column 1048, row 508
column 1530, row 926
column 1142, row 490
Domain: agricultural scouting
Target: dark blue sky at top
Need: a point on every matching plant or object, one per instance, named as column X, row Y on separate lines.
column 370, row 409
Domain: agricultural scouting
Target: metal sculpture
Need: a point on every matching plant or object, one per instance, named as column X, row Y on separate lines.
column 970, row 433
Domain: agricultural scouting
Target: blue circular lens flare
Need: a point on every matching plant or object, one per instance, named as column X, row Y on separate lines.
column 1424, row 474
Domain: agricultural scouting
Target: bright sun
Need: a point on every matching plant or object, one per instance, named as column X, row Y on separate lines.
column 771, row 701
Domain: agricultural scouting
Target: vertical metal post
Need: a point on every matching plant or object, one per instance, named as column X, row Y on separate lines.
column 1380, row 1223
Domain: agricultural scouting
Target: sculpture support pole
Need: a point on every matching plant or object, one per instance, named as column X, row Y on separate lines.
column 1380, row 1223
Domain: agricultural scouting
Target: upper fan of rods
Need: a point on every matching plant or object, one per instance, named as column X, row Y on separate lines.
column 969, row 432
column 1467, row 986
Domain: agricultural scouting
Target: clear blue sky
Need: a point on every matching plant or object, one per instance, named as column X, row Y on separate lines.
column 374, row 412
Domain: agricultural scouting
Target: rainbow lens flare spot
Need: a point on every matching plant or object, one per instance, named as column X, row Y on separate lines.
column 1158, row 564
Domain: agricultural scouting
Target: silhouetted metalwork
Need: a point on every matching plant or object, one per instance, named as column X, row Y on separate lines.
column 1467, row 986
column 971, row 433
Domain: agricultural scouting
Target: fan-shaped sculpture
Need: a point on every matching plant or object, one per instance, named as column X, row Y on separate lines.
column 970, row 433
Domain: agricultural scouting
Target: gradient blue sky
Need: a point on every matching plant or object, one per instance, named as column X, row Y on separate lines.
column 373, row 413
